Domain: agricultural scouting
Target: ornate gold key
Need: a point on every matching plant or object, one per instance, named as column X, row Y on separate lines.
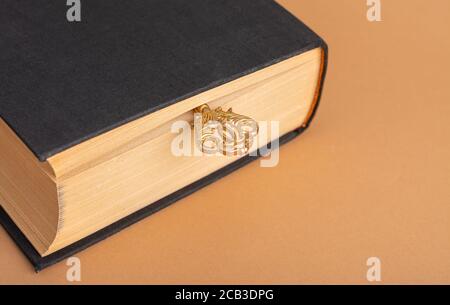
column 224, row 131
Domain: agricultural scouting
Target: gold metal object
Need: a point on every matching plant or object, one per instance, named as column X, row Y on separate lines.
column 224, row 131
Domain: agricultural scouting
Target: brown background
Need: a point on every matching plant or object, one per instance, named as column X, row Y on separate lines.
column 370, row 178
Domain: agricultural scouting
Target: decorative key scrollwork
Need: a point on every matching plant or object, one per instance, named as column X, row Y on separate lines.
column 226, row 132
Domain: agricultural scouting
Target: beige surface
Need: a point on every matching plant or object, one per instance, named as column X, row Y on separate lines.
column 370, row 178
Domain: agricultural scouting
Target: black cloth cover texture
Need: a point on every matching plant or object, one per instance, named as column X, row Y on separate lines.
column 62, row 83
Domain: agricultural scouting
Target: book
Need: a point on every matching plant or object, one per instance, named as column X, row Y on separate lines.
column 87, row 108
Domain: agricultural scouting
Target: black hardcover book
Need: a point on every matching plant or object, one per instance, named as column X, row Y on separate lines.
column 83, row 104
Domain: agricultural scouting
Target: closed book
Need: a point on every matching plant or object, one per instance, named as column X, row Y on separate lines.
column 88, row 107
